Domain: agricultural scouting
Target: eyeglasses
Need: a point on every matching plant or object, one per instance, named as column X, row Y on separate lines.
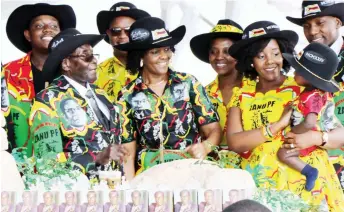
column 116, row 31
column 86, row 58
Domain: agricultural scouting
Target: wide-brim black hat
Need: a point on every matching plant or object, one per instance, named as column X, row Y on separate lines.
column 313, row 9
column 150, row 32
column 21, row 17
column 226, row 28
column 317, row 63
column 263, row 30
column 62, row 45
column 105, row 17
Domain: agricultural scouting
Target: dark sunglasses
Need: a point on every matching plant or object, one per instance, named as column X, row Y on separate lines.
column 116, row 31
column 86, row 58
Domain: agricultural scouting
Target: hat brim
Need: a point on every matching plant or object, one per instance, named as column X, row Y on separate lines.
column 104, row 18
column 200, row 44
column 336, row 10
column 175, row 37
column 63, row 50
column 331, row 86
column 287, row 35
column 21, row 17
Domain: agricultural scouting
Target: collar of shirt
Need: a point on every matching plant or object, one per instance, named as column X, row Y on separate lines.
column 214, row 91
column 116, row 60
column 82, row 91
column 337, row 45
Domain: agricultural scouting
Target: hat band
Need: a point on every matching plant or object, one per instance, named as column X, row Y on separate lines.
column 226, row 28
column 161, row 40
column 330, row 81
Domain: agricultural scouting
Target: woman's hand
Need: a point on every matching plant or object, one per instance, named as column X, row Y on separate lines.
column 115, row 152
column 198, row 151
column 295, row 142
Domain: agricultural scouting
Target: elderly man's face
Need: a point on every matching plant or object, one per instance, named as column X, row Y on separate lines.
column 27, row 198
column 91, row 198
column 81, row 64
column 113, row 197
column 159, row 198
column 69, row 196
column 5, row 199
column 323, row 30
column 140, row 102
column 185, row 197
column 136, row 198
column 208, row 197
column 48, row 198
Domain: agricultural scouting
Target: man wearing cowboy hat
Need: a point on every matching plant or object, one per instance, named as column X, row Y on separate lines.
column 72, row 118
column 321, row 22
column 115, row 23
column 30, row 28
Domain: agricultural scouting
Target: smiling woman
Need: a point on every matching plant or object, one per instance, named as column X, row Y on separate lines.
column 163, row 111
column 257, row 116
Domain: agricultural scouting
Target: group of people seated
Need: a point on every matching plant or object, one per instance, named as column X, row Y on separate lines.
column 133, row 111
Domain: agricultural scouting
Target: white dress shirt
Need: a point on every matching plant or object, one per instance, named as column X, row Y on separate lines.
column 337, row 45
column 82, row 91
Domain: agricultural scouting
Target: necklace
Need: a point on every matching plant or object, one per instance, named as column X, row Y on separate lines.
column 155, row 84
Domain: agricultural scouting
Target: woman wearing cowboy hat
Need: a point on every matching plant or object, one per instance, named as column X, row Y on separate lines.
column 163, row 111
column 213, row 48
column 257, row 117
column 30, row 28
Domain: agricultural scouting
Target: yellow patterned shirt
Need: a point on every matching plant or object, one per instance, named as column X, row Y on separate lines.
column 112, row 77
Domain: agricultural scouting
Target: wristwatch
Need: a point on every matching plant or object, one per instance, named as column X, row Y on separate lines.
column 324, row 138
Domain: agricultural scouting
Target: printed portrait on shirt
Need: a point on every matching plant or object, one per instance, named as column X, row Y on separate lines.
column 140, row 105
column 73, row 114
column 5, row 102
column 180, row 92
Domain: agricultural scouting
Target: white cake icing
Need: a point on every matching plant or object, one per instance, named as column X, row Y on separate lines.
column 189, row 174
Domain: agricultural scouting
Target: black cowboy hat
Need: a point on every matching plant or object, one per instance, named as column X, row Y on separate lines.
column 21, row 17
column 312, row 9
column 150, row 32
column 261, row 30
column 317, row 63
column 62, row 45
column 226, row 28
column 105, row 17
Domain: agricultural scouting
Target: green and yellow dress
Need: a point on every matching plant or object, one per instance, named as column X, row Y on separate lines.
column 257, row 110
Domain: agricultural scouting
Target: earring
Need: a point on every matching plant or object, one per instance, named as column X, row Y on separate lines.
column 252, row 65
column 141, row 63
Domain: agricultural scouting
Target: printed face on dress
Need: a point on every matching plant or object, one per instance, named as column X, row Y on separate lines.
column 41, row 31
column 140, row 102
column 48, row 198
column 180, row 92
column 73, row 113
column 136, row 197
column 159, row 198
column 4, row 93
column 119, row 29
column 219, row 58
column 91, row 198
column 269, row 62
column 5, row 198
column 325, row 29
column 156, row 60
column 185, row 197
column 209, row 197
column 69, row 197
column 81, row 65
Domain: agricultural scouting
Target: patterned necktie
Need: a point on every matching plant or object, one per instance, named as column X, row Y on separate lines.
column 100, row 116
